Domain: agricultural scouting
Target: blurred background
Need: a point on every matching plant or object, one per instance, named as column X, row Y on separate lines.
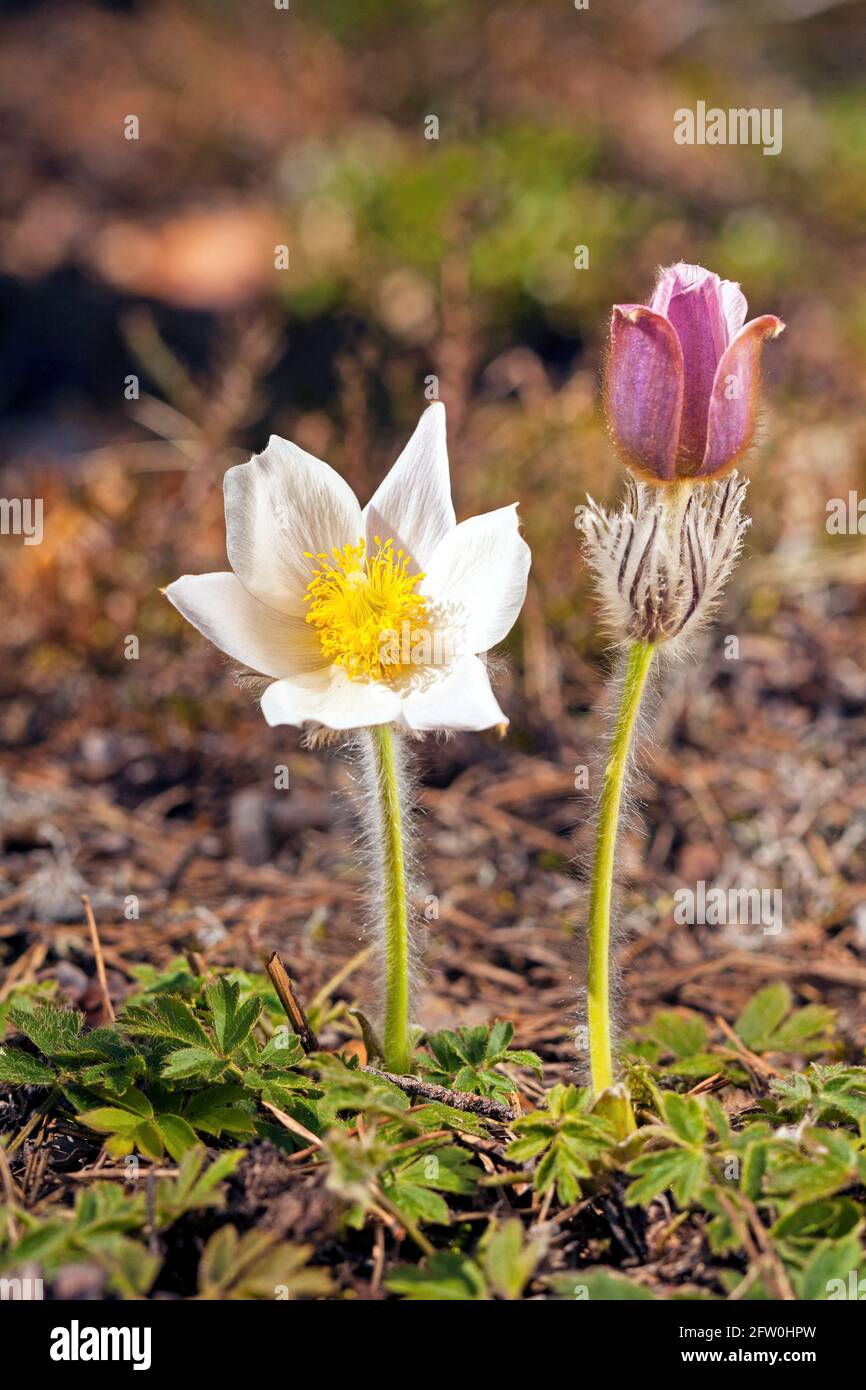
column 152, row 335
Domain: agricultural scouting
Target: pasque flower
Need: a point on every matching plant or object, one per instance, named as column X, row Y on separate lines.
column 374, row 621
column 362, row 618
column 682, row 376
column 681, row 389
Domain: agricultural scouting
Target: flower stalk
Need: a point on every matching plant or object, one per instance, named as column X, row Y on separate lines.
column 638, row 663
column 395, row 898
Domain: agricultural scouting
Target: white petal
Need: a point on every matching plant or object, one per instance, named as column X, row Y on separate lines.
column 328, row 697
column 734, row 307
column 459, row 699
column 270, row 642
column 281, row 504
column 412, row 505
column 476, row 580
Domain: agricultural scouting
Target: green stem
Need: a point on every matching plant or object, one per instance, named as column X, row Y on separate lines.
column 395, row 905
column 601, row 891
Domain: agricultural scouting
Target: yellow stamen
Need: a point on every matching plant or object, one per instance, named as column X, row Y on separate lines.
column 366, row 610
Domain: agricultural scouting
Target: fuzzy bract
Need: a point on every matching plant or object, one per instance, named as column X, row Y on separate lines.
column 661, row 565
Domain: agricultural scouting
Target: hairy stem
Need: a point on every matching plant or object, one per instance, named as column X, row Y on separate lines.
column 395, row 904
column 601, row 891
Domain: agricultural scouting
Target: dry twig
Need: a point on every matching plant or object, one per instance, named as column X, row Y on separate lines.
column 107, row 1007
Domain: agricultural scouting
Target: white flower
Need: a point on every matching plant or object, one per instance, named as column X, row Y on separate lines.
column 364, row 617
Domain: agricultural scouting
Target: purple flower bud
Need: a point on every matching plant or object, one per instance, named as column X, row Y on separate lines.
column 682, row 376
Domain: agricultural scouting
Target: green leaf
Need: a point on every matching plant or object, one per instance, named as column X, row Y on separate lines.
column 446, row 1048
column 372, row 1042
column 565, row 1137
column 681, row 1170
column 811, row 1022
column 435, row 1115
column 108, row 1119
column 195, row 1186
column 178, row 1135
column 825, row 1163
column 285, row 1094
column 723, row 1236
column 718, row 1118
column 146, row 1136
column 233, row 1022
column 696, row 1067
column 176, row 978
column 499, row 1037
column 793, row 1093
column 763, row 1014
column 41, row 1244
column 216, row 1172
column 508, row 1259
column 531, row 1145
column 104, row 1208
column 562, row 1170
column 684, row 1115
column 282, row 1050
column 829, row 1270
column 474, row 1043
column 25, row 996
column 99, row 1045
column 193, row 1061
column 834, row 1093
column 168, row 1018
column 599, row 1286
column 465, row 1060
column 219, row 1110
column 115, row 1079
column 446, row 1169
column 137, row 1102
column 130, row 1267
column 254, row 1266
column 680, row 1032
column 20, row 1069
column 419, row 1203
column 828, row 1219
column 50, row 1029
column 446, row 1277
column 522, row 1057
column 753, row 1168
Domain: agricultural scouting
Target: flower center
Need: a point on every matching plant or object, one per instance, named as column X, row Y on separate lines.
column 366, row 610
